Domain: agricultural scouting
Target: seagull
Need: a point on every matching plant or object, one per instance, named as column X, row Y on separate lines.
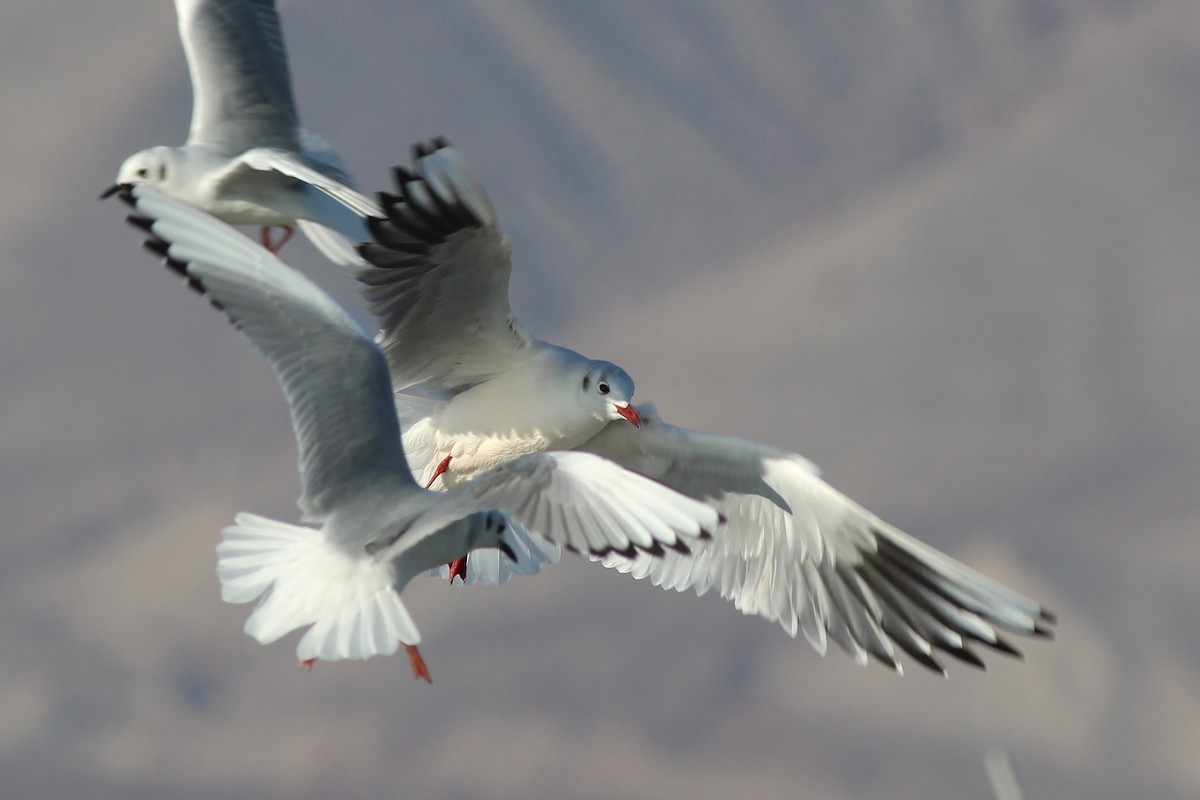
column 793, row 550
column 377, row 527
column 245, row 144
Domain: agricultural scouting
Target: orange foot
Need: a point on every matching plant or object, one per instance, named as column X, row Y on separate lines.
column 307, row 664
column 274, row 247
column 417, row 663
column 458, row 568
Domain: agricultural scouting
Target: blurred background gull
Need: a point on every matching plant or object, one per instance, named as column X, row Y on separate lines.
column 948, row 251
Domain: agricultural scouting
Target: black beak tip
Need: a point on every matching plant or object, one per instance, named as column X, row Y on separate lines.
column 110, row 191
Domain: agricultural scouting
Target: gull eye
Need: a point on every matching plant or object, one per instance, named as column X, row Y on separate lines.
column 603, row 387
column 141, row 173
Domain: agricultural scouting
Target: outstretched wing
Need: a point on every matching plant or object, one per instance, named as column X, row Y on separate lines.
column 439, row 278
column 335, row 379
column 797, row 551
column 241, row 89
column 580, row 501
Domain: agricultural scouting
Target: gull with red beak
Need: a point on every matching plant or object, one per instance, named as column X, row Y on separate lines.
column 552, row 399
column 370, row 528
column 793, row 549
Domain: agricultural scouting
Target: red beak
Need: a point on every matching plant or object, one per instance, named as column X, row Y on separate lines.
column 628, row 413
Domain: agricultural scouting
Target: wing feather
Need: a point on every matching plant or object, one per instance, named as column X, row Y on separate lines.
column 439, row 278
column 581, row 502
column 796, row 551
column 241, row 88
column 335, row 379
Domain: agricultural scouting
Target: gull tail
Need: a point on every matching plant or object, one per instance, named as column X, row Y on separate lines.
column 304, row 580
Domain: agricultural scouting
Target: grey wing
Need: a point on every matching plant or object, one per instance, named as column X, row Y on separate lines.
column 241, row 88
column 797, row 551
column 439, row 278
column 336, row 381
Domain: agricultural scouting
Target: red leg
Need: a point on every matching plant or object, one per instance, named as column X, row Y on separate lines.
column 442, row 467
column 417, row 663
column 274, row 247
column 307, row 664
column 458, row 567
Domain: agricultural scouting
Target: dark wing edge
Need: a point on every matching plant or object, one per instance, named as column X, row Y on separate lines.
column 797, row 551
column 439, row 276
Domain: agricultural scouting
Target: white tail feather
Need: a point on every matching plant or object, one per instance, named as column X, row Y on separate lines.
column 303, row 579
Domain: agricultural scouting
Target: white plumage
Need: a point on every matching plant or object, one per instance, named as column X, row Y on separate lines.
column 245, row 148
column 793, row 550
column 378, row 528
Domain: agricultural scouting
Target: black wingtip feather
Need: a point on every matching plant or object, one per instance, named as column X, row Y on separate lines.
column 413, row 215
column 626, row 552
column 964, row 654
column 404, row 175
column 1003, row 646
column 157, row 246
column 893, row 557
column 142, row 222
column 430, row 217
column 374, row 225
column 655, row 550
column 681, row 547
column 454, row 211
column 906, row 644
column 178, row 267
column 925, row 660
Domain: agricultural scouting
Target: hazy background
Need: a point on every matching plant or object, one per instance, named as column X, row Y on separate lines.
column 947, row 250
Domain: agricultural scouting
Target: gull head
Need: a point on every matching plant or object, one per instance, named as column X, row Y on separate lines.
column 154, row 166
column 475, row 531
column 607, row 391
column 487, row 529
